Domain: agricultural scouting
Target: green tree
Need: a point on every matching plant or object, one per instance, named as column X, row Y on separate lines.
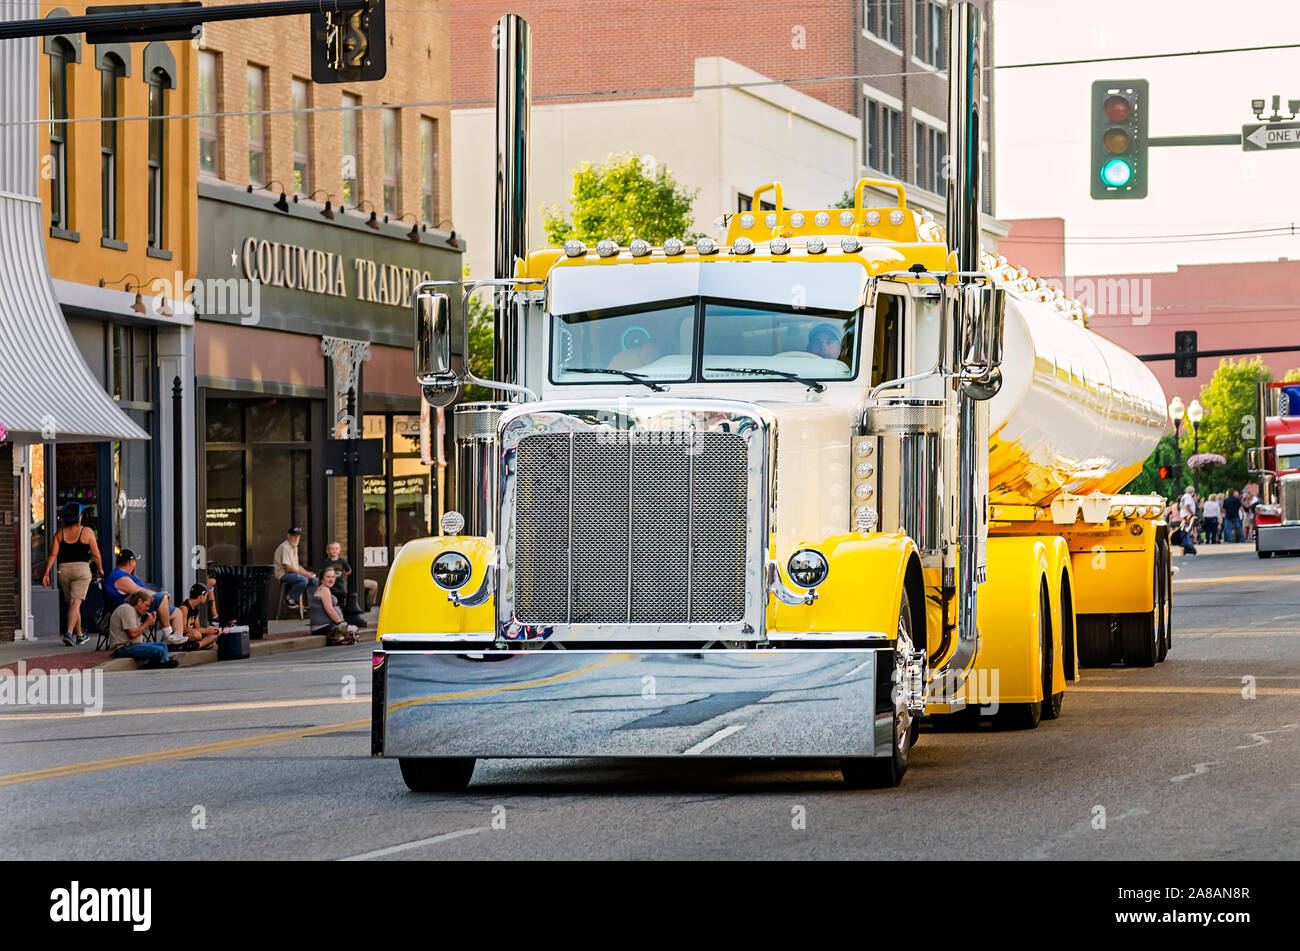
column 1292, row 376
column 481, row 318
column 1230, row 426
column 623, row 199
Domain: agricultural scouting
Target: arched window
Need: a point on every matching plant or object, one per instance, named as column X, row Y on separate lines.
column 61, row 55
column 112, row 70
column 160, row 72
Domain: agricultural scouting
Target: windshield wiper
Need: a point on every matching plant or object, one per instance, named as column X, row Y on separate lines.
column 811, row 384
column 634, row 377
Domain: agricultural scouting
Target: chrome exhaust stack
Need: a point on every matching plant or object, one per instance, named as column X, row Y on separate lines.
column 514, row 112
column 965, row 190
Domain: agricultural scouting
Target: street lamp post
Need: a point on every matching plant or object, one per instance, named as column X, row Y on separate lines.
column 1176, row 412
column 1195, row 413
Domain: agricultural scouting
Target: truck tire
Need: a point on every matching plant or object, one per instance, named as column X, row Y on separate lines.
column 440, row 774
column 1051, row 701
column 884, row 772
column 1027, row 716
column 1164, row 606
column 1093, row 633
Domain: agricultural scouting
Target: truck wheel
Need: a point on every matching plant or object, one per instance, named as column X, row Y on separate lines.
column 1051, row 701
column 1093, row 632
column 1026, row 716
column 1140, row 636
column 1164, row 606
column 443, row 774
column 883, row 772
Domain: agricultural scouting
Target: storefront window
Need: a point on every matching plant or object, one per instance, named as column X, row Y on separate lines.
column 279, row 483
column 398, row 503
column 277, row 420
column 224, row 518
column 225, row 421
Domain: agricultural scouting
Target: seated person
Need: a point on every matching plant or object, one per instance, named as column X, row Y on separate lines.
column 210, row 601
column 287, row 567
column 325, row 613
column 191, row 634
column 126, row 632
column 636, row 357
column 334, row 559
column 824, row 342
column 122, row 582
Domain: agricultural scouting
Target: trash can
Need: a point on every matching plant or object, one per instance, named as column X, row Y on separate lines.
column 241, row 595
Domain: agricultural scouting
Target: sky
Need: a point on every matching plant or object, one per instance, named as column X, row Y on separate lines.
column 1043, row 127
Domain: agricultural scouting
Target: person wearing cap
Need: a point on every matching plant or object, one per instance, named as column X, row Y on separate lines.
column 126, row 633
column 189, row 632
column 122, row 582
column 824, row 342
column 76, row 549
column 288, row 568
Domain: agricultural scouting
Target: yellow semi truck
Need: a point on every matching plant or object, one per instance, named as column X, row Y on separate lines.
column 779, row 495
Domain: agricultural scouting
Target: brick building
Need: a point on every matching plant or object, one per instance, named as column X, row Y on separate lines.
column 864, row 94
column 323, row 208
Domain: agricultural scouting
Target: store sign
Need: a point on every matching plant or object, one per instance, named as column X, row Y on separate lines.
column 324, row 272
column 311, row 275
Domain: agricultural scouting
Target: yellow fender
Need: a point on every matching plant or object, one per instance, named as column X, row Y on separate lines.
column 862, row 590
column 1007, row 663
column 1061, row 590
column 413, row 604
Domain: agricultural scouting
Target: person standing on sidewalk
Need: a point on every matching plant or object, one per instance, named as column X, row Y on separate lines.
column 76, row 549
column 126, row 633
column 1232, row 517
column 1210, row 518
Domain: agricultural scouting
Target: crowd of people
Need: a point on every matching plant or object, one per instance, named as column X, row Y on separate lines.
column 1220, row 518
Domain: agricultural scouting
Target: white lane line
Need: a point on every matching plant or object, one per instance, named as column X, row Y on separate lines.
column 718, row 737
column 855, row 670
column 1285, row 617
column 445, row 837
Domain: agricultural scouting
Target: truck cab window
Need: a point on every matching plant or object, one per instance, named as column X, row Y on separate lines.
column 657, row 342
column 887, row 347
column 811, row 344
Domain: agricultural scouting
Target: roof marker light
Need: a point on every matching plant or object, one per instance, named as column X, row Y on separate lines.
column 873, row 218
column 821, row 219
column 770, row 220
column 850, row 245
column 779, row 246
column 706, row 246
column 743, row 246
column 574, row 248
column 747, row 220
column 896, row 217
column 606, row 248
column 846, row 218
column 797, row 219
column 815, row 245
column 673, row 247
column 639, row 247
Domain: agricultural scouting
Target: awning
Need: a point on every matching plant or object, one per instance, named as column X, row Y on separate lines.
column 47, row 393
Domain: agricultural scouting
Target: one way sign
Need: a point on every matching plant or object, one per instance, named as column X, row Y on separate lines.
column 1270, row 135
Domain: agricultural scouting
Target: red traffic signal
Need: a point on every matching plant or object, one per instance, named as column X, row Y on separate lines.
column 1164, row 472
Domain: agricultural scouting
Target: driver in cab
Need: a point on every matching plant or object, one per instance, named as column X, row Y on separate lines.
column 823, row 341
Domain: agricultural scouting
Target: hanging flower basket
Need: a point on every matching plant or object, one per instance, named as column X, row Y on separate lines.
column 1205, row 460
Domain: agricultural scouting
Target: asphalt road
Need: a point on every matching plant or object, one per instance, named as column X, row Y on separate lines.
column 268, row 758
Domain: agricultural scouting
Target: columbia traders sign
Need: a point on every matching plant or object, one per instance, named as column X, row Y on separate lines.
column 313, row 275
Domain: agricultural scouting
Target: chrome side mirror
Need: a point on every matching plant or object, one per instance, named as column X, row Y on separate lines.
column 983, row 315
column 433, row 367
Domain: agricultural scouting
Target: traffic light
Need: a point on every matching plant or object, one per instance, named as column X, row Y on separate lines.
column 1163, row 472
column 349, row 46
column 1184, row 353
column 1119, row 138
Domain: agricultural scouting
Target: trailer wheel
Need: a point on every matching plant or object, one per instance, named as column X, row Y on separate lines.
column 1141, row 635
column 1026, row 716
column 442, row 774
column 1165, row 605
column 883, row 772
column 1093, row 632
column 1051, row 701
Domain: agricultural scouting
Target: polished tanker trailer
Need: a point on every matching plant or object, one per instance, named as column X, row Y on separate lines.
column 778, row 495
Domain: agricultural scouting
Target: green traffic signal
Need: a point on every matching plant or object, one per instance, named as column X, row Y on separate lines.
column 1116, row 173
column 1119, row 138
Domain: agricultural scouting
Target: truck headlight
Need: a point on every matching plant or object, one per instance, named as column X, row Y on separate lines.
column 808, row 568
column 452, row 570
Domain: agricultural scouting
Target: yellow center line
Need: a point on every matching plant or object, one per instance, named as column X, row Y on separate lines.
column 1252, row 576
column 223, row 746
column 1225, row 691
column 189, row 708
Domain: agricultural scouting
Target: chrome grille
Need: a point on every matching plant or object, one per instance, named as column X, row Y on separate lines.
column 1288, row 497
column 613, row 529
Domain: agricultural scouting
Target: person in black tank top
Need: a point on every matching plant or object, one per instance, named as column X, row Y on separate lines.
column 76, row 549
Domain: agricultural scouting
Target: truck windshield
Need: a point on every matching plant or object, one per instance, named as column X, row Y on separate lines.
column 658, row 343
column 1288, row 457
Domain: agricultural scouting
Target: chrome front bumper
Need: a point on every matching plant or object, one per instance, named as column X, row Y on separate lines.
column 598, row 703
column 1278, row 537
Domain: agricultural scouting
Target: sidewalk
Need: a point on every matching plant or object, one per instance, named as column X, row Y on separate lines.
column 49, row 653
